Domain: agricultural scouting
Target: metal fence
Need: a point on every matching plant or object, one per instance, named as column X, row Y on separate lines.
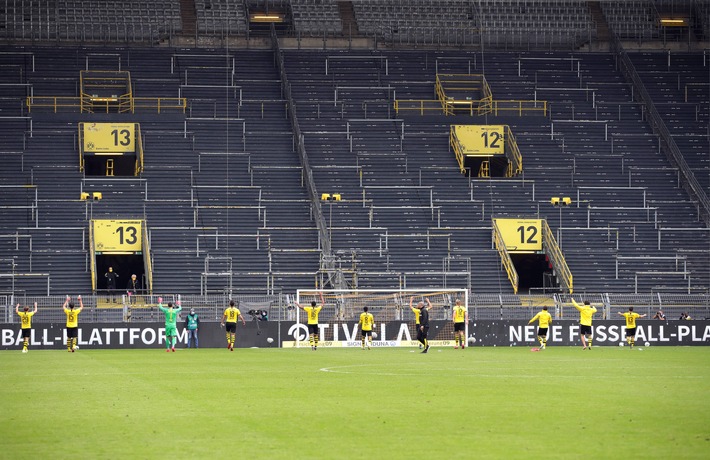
column 280, row 307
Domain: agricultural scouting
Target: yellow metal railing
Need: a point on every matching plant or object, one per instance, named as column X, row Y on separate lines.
column 553, row 251
column 56, row 103
column 458, row 148
column 147, row 260
column 93, row 256
column 512, row 152
column 505, row 257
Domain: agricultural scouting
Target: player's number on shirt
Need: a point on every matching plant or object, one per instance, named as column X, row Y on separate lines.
column 531, row 232
column 121, row 137
column 491, row 139
column 127, row 235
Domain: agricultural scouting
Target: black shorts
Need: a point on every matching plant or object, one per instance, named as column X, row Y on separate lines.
column 26, row 333
column 313, row 329
column 366, row 334
column 232, row 327
column 630, row 332
column 542, row 331
column 586, row 330
column 459, row 327
column 72, row 332
column 425, row 332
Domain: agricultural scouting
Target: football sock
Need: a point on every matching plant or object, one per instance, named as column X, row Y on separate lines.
column 363, row 342
column 25, row 343
column 312, row 340
column 316, row 338
column 228, row 338
column 544, row 341
column 69, row 344
column 589, row 341
column 426, row 343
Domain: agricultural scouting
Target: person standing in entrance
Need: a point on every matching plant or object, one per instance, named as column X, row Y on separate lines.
column 230, row 316
column 72, row 322
column 26, row 320
column 586, row 312
column 111, row 278
column 313, row 329
column 133, row 288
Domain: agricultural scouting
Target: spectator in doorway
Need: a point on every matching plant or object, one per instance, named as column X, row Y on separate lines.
column 133, row 288
column 111, row 278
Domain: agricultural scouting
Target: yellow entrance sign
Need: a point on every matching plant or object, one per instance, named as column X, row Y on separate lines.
column 521, row 235
column 481, row 140
column 117, row 236
column 109, row 138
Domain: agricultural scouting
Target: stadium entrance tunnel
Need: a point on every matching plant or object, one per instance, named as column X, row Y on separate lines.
column 124, row 266
column 534, row 271
column 110, row 165
column 486, row 166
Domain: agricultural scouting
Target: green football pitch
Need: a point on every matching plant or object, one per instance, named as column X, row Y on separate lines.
column 563, row 402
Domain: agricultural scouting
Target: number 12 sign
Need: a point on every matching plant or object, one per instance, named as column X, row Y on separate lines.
column 117, row 236
column 521, row 235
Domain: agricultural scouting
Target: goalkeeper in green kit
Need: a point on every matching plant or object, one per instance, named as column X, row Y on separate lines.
column 171, row 315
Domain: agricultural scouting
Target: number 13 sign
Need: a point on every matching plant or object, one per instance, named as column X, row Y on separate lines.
column 117, row 236
column 109, row 138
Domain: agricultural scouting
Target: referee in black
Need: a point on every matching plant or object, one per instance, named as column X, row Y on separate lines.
column 424, row 326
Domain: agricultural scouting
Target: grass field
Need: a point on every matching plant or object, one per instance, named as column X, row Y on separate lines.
column 395, row 403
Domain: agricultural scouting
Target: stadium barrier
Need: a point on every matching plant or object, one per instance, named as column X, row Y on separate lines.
column 288, row 334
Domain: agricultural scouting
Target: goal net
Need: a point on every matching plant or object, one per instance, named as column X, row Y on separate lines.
column 394, row 320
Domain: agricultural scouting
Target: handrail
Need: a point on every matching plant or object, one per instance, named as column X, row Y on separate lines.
column 321, row 224
column 552, row 249
column 56, row 102
column 659, row 127
column 497, row 107
column 505, row 257
column 147, row 258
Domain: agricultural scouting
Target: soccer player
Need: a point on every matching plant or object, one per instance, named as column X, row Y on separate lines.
column 26, row 320
column 460, row 320
column 631, row 325
column 419, row 312
column 72, row 321
column 586, row 312
column 367, row 322
column 230, row 317
column 313, row 311
column 171, row 315
column 192, row 322
column 544, row 319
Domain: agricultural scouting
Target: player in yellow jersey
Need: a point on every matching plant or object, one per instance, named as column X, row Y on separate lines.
column 631, row 318
column 72, row 321
column 230, row 317
column 586, row 312
column 26, row 320
column 366, row 323
column 313, row 330
column 544, row 319
column 460, row 321
column 418, row 318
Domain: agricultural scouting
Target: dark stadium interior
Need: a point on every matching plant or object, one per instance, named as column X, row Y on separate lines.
column 339, row 97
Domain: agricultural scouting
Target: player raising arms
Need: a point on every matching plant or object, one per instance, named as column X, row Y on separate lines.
column 170, row 323
column 72, row 321
column 367, row 322
column 26, row 320
column 631, row 325
column 313, row 311
column 230, row 317
column 544, row 319
column 460, row 320
column 586, row 312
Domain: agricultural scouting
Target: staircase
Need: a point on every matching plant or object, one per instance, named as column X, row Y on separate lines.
column 188, row 14
column 599, row 19
column 347, row 18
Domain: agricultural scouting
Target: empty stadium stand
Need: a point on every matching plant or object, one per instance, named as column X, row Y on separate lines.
column 231, row 189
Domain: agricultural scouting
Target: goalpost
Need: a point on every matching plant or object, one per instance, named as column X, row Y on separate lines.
column 394, row 320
